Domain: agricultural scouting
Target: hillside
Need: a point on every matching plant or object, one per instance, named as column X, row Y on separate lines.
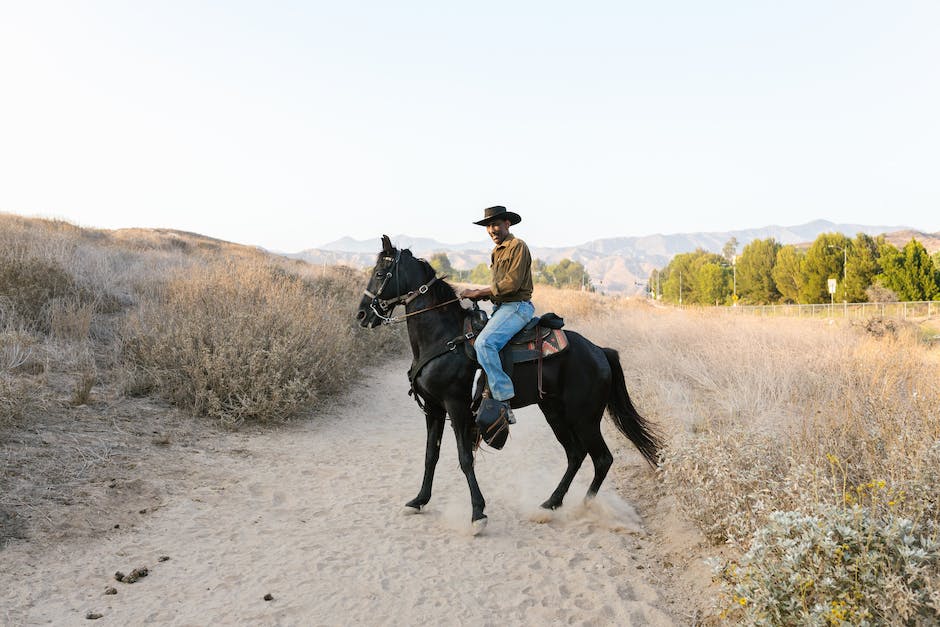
column 931, row 241
column 113, row 342
column 618, row 264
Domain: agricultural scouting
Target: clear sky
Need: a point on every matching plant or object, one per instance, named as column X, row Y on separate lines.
column 291, row 124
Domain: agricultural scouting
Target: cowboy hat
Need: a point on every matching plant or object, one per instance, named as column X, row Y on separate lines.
column 498, row 213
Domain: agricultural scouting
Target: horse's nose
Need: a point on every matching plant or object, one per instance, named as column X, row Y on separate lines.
column 361, row 315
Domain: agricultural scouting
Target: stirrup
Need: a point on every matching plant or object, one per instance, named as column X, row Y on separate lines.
column 493, row 422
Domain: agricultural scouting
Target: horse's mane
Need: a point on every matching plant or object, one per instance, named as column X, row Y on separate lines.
column 441, row 288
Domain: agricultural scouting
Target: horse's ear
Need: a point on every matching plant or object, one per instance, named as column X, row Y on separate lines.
column 387, row 244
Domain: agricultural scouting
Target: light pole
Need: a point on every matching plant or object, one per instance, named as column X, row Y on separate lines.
column 734, row 280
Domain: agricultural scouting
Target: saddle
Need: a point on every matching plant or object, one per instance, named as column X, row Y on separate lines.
column 541, row 337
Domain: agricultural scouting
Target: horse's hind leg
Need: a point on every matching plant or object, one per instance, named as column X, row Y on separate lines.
column 434, row 415
column 574, row 450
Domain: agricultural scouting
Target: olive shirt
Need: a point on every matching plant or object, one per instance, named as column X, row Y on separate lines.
column 512, row 271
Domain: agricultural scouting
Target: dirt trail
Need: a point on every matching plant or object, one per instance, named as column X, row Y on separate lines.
column 312, row 515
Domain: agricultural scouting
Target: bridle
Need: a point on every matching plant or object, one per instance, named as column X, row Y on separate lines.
column 388, row 305
column 385, row 305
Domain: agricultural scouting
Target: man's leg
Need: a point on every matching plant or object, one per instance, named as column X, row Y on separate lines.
column 507, row 320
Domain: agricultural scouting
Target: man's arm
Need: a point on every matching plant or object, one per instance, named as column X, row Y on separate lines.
column 476, row 294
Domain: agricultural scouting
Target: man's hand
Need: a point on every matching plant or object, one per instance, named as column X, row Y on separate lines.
column 475, row 294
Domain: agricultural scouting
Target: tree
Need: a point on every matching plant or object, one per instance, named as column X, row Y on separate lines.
column 879, row 294
column 788, row 273
column 480, row 275
column 654, row 283
column 569, row 274
column 910, row 273
column 710, row 283
column 861, row 268
column 730, row 249
column 676, row 278
column 540, row 272
column 441, row 264
column 823, row 261
column 698, row 277
column 755, row 267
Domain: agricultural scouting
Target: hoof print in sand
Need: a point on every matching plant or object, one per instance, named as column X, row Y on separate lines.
column 269, row 597
column 110, row 590
column 93, row 615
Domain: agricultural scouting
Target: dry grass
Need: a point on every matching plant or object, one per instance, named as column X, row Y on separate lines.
column 223, row 330
column 574, row 305
column 808, row 449
column 773, row 395
column 829, row 421
column 97, row 328
column 246, row 340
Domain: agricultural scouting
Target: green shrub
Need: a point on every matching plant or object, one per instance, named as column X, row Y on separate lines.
column 851, row 565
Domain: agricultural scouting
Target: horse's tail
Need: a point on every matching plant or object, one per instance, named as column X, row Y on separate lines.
column 626, row 417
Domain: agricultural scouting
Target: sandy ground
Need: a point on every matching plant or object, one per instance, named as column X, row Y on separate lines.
column 312, row 514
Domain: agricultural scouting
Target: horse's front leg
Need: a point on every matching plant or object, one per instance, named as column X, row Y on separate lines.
column 462, row 419
column 434, row 415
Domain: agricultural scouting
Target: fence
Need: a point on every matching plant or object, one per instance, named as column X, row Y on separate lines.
column 904, row 311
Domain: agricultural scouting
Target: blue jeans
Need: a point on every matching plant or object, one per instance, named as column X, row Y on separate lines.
column 507, row 320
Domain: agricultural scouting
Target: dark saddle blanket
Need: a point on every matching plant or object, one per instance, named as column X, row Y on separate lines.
column 541, row 335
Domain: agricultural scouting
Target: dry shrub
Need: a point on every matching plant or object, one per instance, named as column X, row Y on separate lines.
column 19, row 399
column 19, row 395
column 69, row 318
column 224, row 329
column 774, row 397
column 17, row 345
column 879, row 326
column 28, row 285
column 799, row 416
column 85, row 375
column 245, row 340
column 728, row 483
column 62, row 279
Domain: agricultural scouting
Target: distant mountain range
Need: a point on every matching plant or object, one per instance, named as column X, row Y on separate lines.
column 617, row 264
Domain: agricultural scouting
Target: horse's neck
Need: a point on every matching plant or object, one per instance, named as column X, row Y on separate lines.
column 429, row 331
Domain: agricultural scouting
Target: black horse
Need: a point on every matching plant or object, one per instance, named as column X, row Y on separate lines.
column 577, row 383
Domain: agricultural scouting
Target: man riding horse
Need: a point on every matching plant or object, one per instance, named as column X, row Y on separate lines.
column 578, row 383
column 511, row 291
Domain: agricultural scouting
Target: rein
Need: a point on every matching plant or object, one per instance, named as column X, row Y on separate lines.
column 388, row 306
column 395, row 319
column 405, row 299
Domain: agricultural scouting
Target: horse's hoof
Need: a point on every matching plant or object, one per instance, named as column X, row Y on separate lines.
column 550, row 505
column 478, row 526
column 411, row 510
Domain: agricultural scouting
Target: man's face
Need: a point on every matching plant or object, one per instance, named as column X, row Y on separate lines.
column 498, row 230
